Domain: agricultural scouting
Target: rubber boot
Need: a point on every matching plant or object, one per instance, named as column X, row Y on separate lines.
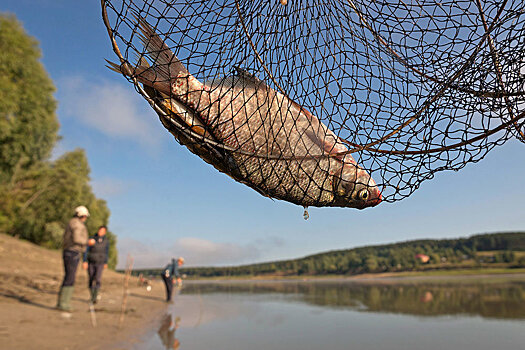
column 59, row 298
column 64, row 298
column 94, row 294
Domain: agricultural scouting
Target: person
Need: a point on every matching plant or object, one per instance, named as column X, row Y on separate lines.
column 74, row 244
column 96, row 260
column 167, row 330
column 169, row 274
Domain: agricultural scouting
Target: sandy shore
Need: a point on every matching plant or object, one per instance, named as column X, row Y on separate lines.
column 30, row 278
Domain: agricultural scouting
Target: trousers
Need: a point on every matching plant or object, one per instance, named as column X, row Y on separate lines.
column 71, row 259
column 95, row 275
column 169, row 286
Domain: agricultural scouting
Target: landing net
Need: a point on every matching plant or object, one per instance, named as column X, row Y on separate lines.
column 410, row 88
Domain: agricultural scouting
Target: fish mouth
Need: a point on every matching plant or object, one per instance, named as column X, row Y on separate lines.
column 359, row 192
column 378, row 198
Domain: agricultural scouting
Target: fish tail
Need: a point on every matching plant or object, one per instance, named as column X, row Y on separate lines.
column 145, row 74
column 164, row 60
column 165, row 69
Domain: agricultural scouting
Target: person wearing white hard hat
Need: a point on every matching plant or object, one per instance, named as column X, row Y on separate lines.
column 75, row 242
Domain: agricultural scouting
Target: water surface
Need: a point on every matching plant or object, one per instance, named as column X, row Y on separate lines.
column 387, row 314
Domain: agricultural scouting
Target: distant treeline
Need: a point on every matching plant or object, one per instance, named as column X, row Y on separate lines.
column 38, row 195
column 499, row 248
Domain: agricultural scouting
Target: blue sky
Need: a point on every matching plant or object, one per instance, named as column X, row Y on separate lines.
column 165, row 201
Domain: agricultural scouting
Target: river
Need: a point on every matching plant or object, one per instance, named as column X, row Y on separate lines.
column 394, row 314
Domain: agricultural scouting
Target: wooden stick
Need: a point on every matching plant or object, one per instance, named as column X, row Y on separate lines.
column 93, row 316
column 129, row 268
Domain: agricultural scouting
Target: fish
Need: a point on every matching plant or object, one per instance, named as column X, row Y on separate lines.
column 258, row 136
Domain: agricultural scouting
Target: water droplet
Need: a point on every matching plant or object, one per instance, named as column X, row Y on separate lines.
column 305, row 214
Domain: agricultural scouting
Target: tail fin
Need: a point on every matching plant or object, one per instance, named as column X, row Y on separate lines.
column 161, row 55
column 143, row 73
column 166, row 66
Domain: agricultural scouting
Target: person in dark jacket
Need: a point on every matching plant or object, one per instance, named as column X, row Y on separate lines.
column 74, row 244
column 96, row 260
column 169, row 274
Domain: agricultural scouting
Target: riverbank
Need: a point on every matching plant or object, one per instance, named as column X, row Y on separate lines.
column 407, row 275
column 30, row 278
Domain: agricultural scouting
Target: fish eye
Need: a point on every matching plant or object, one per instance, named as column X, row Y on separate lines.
column 363, row 194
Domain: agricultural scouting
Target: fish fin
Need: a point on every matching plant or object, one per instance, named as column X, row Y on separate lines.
column 247, row 79
column 247, row 75
column 324, row 144
column 329, row 142
column 164, row 60
column 165, row 67
column 140, row 72
column 114, row 67
column 143, row 73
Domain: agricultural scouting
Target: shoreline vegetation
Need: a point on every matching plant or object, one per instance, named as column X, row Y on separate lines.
column 437, row 276
column 493, row 253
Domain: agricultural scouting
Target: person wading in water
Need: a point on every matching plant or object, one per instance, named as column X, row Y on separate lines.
column 170, row 272
column 75, row 241
column 96, row 260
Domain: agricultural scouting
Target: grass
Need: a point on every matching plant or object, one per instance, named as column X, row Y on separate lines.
column 431, row 273
column 463, row 272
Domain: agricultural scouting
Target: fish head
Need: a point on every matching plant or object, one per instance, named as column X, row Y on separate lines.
column 353, row 187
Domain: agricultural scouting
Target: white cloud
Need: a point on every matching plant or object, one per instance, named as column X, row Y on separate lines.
column 108, row 187
column 203, row 252
column 196, row 252
column 270, row 242
column 143, row 254
column 109, row 107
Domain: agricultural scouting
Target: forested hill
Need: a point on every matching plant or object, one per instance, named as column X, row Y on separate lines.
column 485, row 250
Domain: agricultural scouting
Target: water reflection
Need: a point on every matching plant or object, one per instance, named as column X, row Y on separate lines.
column 167, row 330
column 490, row 300
column 342, row 315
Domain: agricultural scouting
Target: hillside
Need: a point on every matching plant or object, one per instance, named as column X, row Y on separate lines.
column 484, row 250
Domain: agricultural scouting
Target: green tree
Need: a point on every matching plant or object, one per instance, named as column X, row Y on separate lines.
column 28, row 125
column 371, row 263
column 60, row 187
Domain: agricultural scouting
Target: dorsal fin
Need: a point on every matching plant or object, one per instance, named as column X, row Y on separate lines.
column 248, row 79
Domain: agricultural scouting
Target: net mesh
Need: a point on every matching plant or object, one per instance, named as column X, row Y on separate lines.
column 314, row 101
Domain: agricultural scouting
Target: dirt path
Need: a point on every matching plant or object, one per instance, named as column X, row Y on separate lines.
column 30, row 278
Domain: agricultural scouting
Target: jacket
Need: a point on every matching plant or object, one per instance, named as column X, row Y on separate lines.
column 98, row 254
column 75, row 236
column 171, row 270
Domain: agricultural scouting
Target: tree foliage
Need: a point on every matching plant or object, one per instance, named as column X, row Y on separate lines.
column 445, row 253
column 28, row 125
column 37, row 196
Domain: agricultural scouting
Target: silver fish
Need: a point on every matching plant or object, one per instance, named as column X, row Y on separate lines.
column 273, row 145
